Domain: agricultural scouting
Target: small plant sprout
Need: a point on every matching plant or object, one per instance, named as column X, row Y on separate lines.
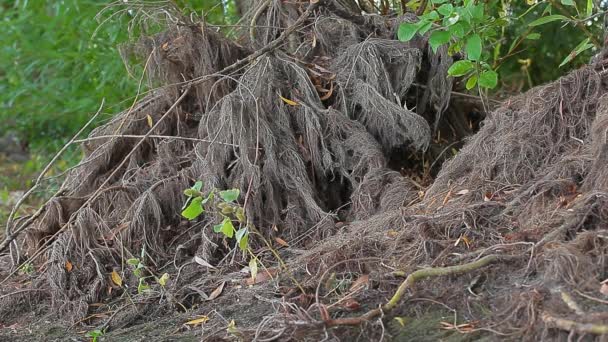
column 95, row 334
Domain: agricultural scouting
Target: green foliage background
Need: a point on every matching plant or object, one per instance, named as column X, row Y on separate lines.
column 54, row 71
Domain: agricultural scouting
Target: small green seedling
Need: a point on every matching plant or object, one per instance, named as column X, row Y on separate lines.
column 94, row 334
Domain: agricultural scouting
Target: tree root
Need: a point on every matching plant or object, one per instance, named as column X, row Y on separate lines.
column 410, row 281
column 568, row 325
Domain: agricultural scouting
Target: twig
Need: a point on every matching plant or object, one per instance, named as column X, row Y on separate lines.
column 11, row 235
column 255, row 18
column 473, row 97
column 21, row 291
column 568, row 325
column 410, row 281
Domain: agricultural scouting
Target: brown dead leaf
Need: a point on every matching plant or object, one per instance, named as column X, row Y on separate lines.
column 351, row 305
column 262, row 276
column 329, row 92
column 217, row 292
column 360, row 283
column 447, row 197
column 281, row 242
column 68, row 266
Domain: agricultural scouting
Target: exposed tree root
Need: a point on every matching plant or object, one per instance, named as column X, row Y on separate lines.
column 410, row 281
column 573, row 326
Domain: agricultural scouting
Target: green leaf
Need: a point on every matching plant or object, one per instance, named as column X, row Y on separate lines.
column 133, row 261
column 445, row 9
column 582, row 46
column 242, row 237
column 198, row 186
column 438, row 38
column 547, row 19
column 407, row 31
column 452, row 19
column 457, row 30
column 432, row 15
column 488, row 79
column 589, row 7
column 533, row 36
column 244, row 243
column 473, row 47
column 436, row 2
column 425, row 27
column 460, row 68
column 471, row 82
column 230, row 195
column 477, row 12
column 568, row 3
column 194, row 209
column 227, row 228
column 218, row 228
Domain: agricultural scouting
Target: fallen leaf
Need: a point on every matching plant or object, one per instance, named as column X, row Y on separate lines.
column 162, row 281
column 281, row 242
column 198, row 321
column 329, row 92
column 68, row 266
column 165, row 46
column 202, row 262
column 604, row 289
column 217, row 292
column 288, row 101
column 392, row 233
column 351, row 305
column 150, row 121
column 360, row 283
column 262, row 277
column 231, row 328
column 400, row 320
column 463, row 192
column 447, row 197
column 116, row 278
column 253, row 268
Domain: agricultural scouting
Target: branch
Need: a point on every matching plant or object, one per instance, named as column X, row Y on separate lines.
column 568, row 325
column 410, row 281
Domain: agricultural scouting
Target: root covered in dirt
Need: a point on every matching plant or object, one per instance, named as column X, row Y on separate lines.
column 321, row 119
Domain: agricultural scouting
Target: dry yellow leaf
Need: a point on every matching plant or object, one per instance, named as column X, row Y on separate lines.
column 68, row 266
column 198, row 321
column 116, row 278
column 150, row 121
column 288, row 101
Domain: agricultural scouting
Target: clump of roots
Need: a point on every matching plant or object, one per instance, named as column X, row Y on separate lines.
column 308, row 132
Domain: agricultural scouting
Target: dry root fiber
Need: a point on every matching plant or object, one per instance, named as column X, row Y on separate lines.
column 308, row 132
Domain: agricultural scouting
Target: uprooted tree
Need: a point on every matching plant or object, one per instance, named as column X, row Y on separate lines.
column 335, row 134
